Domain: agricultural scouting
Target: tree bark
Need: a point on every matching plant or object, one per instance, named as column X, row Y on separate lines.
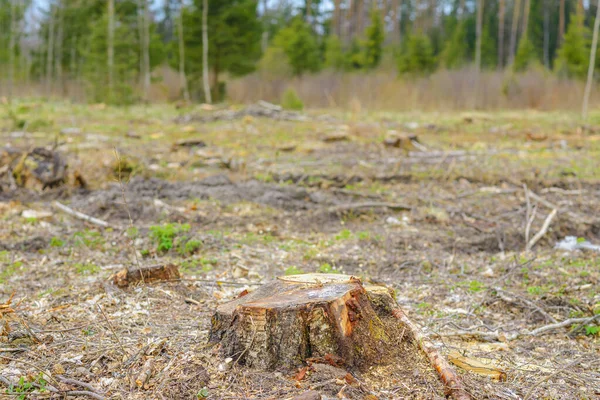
column 478, row 32
column 561, row 21
column 207, row 96
column 394, row 16
column 501, row 15
column 546, row 34
column 50, row 52
column 335, row 26
column 360, row 17
column 591, row 67
column 525, row 32
column 11, row 48
column 146, row 49
column 514, row 30
column 264, row 43
column 59, row 48
column 301, row 317
column 182, row 77
column 111, row 47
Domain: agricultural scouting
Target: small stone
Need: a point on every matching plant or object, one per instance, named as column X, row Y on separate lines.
column 488, row 273
column 393, row 221
column 310, row 395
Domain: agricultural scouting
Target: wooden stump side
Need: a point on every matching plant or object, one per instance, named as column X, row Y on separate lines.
column 288, row 321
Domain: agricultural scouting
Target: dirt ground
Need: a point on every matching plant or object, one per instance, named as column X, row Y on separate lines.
column 443, row 224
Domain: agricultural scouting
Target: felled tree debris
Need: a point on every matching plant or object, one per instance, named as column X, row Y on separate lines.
column 406, row 142
column 188, row 143
column 133, row 276
column 302, row 318
column 39, row 169
column 260, row 109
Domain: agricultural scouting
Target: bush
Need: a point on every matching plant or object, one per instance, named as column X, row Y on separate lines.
column 291, row 101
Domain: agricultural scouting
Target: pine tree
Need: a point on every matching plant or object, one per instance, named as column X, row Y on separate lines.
column 526, row 55
column 417, row 58
column 374, row 41
column 573, row 54
column 454, row 54
column 300, row 46
column 334, row 54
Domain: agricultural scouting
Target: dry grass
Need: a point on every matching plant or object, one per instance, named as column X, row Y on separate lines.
column 442, row 91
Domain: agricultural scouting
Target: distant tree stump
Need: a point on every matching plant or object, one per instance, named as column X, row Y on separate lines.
column 292, row 319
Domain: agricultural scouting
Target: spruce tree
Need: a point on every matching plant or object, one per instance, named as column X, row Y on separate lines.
column 573, row 55
column 300, row 46
column 526, row 55
column 417, row 58
column 454, row 54
column 374, row 40
column 334, row 54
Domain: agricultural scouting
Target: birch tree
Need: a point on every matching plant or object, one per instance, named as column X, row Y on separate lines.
column 592, row 65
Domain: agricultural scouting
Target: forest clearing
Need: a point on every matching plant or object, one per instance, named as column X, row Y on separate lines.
column 299, row 199
column 234, row 199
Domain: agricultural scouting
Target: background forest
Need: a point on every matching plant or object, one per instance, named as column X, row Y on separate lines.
column 391, row 54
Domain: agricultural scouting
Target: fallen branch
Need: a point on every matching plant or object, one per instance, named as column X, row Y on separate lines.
column 565, row 323
column 79, row 215
column 553, row 206
column 370, row 204
column 542, row 231
column 451, row 380
column 75, row 382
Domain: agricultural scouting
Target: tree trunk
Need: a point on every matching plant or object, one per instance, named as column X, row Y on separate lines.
column 264, row 43
column 50, row 52
column 295, row 318
column 394, row 16
column 111, row 47
column 591, row 67
column 182, row 77
column 360, row 17
column 514, row 30
column 59, row 49
column 335, row 26
column 501, row 14
column 561, row 21
column 546, row 34
column 308, row 10
column 525, row 32
column 11, row 48
column 478, row 32
column 207, row 96
column 146, row 50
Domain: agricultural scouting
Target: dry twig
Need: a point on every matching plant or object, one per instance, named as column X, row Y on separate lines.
column 542, row 231
column 79, row 215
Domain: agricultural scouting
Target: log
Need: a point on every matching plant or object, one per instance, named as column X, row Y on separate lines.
column 299, row 317
column 152, row 273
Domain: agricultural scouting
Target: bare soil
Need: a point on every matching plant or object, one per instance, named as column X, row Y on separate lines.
column 263, row 199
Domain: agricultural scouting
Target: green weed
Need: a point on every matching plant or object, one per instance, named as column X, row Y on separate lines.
column 86, row 268
column 56, row 242
column 293, row 270
column 164, row 235
column 328, row 269
column 24, row 387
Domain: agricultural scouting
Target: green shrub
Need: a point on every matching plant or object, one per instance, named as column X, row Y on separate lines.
column 291, row 101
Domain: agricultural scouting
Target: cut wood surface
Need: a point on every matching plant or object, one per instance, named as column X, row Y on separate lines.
column 310, row 316
column 152, row 273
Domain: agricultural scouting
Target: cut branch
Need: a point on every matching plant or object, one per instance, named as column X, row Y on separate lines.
column 542, row 231
column 79, row 215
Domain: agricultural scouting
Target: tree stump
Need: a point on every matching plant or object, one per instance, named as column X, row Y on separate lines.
column 300, row 317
